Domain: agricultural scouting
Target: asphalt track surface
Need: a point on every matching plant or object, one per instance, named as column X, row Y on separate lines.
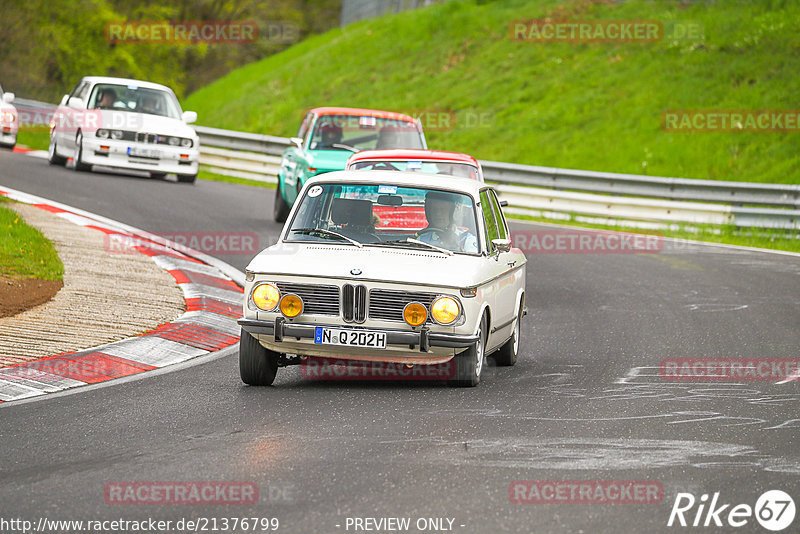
column 585, row 401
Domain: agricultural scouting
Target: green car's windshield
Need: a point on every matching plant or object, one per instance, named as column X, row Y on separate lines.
column 463, row 170
column 355, row 133
column 386, row 215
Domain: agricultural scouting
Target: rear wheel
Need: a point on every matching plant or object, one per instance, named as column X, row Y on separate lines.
column 77, row 158
column 257, row 364
column 52, row 154
column 469, row 364
column 507, row 355
column 187, row 178
column 280, row 209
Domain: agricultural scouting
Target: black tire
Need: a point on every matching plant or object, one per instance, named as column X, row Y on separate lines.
column 158, row 175
column 52, row 156
column 280, row 210
column 187, row 178
column 470, row 363
column 257, row 364
column 507, row 355
column 77, row 159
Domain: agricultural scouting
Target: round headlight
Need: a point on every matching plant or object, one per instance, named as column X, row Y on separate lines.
column 266, row 296
column 186, row 143
column 445, row 310
column 102, row 133
column 174, row 141
column 116, row 134
column 291, row 305
column 415, row 313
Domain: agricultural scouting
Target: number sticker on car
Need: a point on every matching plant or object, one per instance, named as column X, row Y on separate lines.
column 350, row 338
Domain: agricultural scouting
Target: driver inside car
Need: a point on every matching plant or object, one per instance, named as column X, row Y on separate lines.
column 441, row 230
column 330, row 134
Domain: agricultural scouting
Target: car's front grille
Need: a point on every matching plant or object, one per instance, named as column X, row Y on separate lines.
column 317, row 299
column 388, row 304
column 354, row 303
column 142, row 137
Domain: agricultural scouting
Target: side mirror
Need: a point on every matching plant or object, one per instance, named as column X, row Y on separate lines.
column 75, row 103
column 503, row 245
column 8, row 98
column 189, row 117
column 297, row 141
column 504, row 203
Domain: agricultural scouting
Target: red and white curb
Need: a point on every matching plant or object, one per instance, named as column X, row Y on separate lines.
column 212, row 291
column 41, row 154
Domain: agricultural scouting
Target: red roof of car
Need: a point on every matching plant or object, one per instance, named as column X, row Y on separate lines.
column 363, row 112
column 407, row 154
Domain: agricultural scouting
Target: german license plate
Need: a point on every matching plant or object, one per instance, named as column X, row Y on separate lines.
column 144, row 152
column 350, row 338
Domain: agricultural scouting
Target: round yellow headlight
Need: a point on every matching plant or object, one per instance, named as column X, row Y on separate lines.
column 266, row 296
column 415, row 313
column 445, row 310
column 291, row 305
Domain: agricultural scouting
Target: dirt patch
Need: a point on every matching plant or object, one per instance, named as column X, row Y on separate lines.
column 16, row 296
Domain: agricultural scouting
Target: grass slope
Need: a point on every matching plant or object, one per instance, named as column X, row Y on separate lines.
column 587, row 106
column 24, row 251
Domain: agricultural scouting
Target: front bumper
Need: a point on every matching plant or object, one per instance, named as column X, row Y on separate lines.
column 117, row 156
column 423, row 338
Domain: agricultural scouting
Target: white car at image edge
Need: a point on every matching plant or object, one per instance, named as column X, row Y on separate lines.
column 124, row 124
column 9, row 120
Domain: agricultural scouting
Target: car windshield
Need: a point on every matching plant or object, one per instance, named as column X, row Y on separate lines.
column 386, row 215
column 355, row 133
column 463, row 170
column 134, row 98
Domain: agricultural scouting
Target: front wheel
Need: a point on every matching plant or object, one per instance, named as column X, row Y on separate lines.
column 257, row 364
column 52, row 154
column 469, row 364
column 507, row 355
column 280, row 210
column 77, row 158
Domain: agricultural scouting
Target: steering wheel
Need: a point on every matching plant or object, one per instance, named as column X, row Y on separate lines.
column 442, row 232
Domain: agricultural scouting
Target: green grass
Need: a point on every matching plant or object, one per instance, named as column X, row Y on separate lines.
column 747, row 237
column 586, row 106
column 24, row 251
column 208, row 175
column 34, row 138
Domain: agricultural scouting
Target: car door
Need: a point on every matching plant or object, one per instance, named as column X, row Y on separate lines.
column 294, row 161
column 64, row 121
column 499, row 291
column 506, row 304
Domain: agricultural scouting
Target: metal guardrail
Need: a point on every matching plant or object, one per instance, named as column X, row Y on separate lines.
column 548, row 192
column 543, row 191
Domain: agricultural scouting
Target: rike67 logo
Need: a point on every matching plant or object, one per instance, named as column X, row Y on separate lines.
column 774, row 510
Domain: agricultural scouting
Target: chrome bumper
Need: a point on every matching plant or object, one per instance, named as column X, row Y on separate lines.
column 423, row 337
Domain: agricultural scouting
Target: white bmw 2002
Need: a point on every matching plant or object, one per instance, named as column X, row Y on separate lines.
column 124, row 124
column 378, row 266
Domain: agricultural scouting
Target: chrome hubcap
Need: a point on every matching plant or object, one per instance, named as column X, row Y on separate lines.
column 479, row 353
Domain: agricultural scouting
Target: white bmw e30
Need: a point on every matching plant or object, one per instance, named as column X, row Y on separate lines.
column 379, row 266
column 124, row 124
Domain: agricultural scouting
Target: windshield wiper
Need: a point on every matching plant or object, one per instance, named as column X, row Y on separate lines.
column 412, row 241
column 345, row 147
column 323, row 232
